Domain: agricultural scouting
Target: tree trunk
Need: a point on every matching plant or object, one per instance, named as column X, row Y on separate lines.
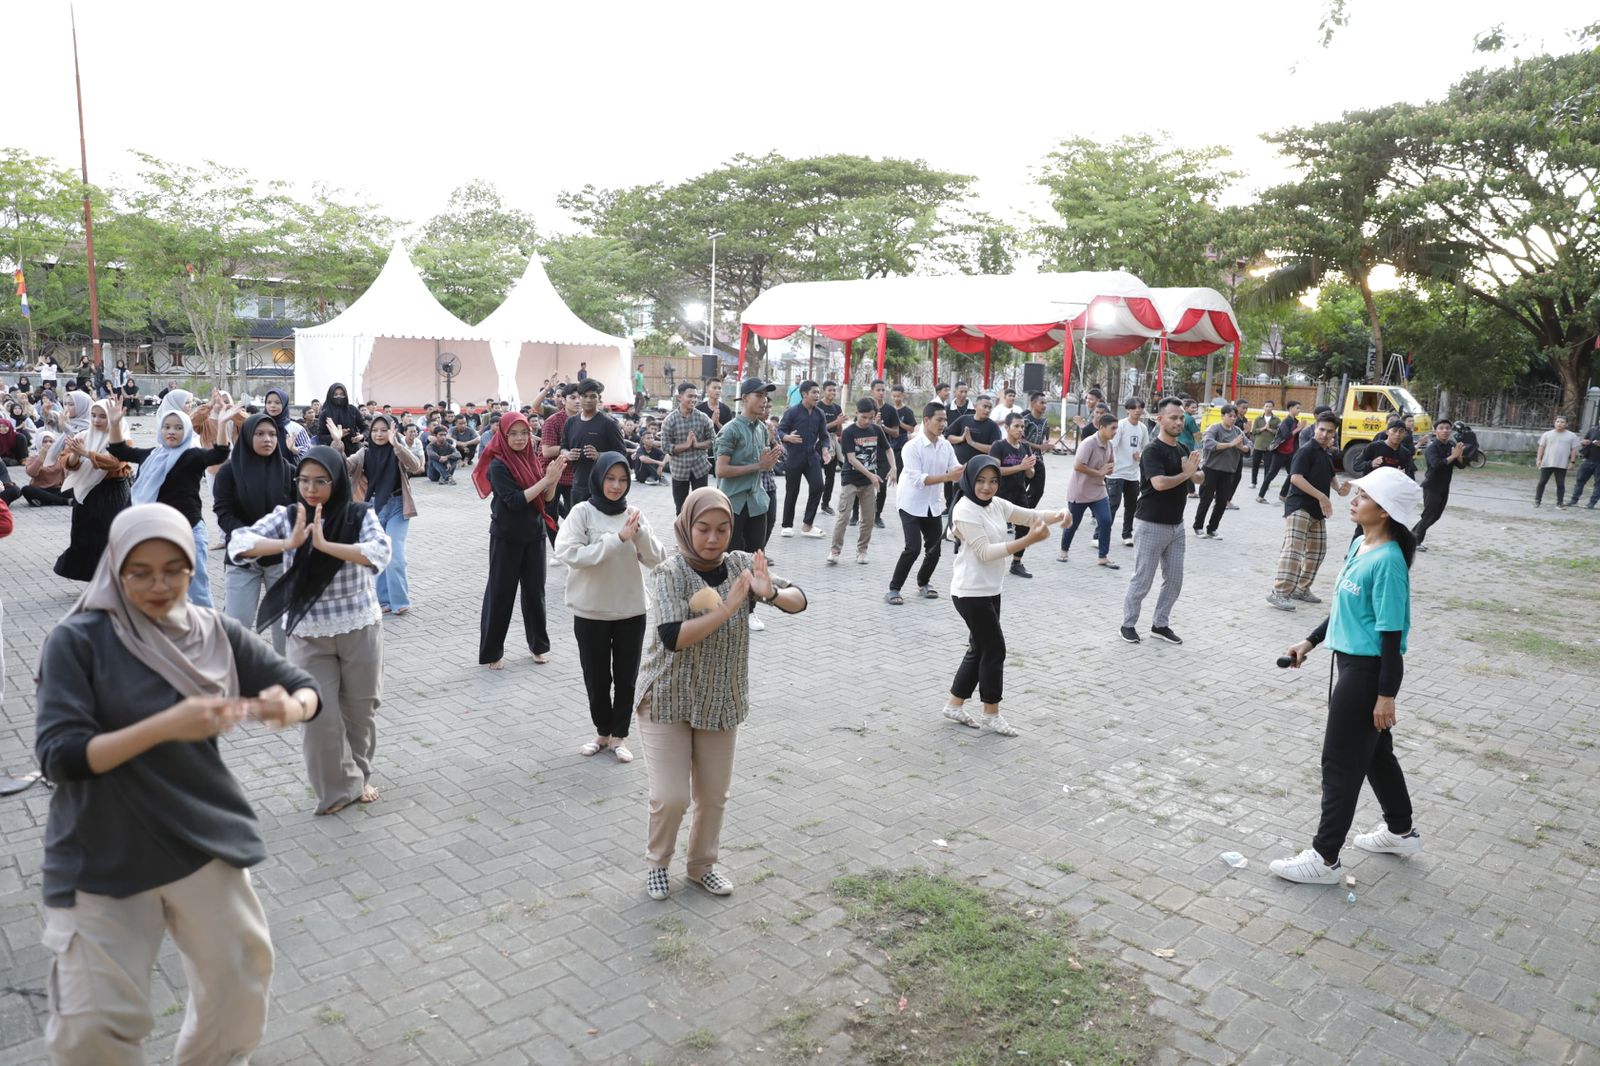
column 1570, row 365
column 1372, row 318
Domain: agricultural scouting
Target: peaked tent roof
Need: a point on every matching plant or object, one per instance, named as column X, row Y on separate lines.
column 534, row 312
column 397, row 304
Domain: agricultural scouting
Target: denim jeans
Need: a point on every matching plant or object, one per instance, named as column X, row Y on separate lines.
column 200, row 584
column 394, row 592
column 1101, row 509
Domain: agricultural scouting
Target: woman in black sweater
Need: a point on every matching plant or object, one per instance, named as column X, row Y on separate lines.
column 255, row 481
column 170, row 473
column 148, row 830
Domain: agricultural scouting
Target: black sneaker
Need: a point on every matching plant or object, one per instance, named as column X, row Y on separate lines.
column 877, row 523
column 1130, row 634
column 825, row 509
column 1018, row 570
column 854, row 522
column 1166, row 634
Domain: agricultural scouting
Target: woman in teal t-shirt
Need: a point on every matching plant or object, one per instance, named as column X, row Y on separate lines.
column 1367, row 630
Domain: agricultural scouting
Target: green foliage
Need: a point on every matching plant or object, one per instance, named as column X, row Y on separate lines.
column 473, row 251
column 1137, row 204
column 587, row 272
column 331, row 251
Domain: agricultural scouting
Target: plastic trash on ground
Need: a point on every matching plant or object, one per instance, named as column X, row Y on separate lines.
column 1235, row 860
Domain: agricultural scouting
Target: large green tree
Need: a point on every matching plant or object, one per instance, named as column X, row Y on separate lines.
column 331, row 251
column 473, row 251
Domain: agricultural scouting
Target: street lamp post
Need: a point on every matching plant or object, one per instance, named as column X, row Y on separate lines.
column 1233, row 292
column 711, row 308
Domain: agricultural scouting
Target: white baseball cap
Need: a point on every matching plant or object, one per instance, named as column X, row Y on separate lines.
column 1398, row 495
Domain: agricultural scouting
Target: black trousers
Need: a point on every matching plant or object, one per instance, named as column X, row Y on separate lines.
column 1257, row 459
column 1278, row 462
column 609, row 653
column 830, row 471
column 1432, row 507
column 38, row 497
column 983, row 666
column 681, row 490
column 1589, row 468
column 513, row 567
column 750, row 531
column 922, row 537
column 1217, row 491
column 812, row 473
column 1123, row 492
column 1560, row 473
column 1353, row 750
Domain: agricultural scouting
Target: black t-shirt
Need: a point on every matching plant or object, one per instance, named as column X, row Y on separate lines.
column 831, row 411
column 1440, row 469
column 1162, row 506
column 1313, row 463
column 889, row 418
column 180, row 489
column 1012, row 486
column 601, row 431
column 957, row 412
column 985, row 432
column 1589, row 447
column 908, row 425
column 868, row 446
column 1377, row 454
column 723, row 412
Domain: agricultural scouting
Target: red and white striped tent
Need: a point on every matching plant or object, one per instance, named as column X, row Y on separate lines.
column 1196, row 322
column 1110, row 312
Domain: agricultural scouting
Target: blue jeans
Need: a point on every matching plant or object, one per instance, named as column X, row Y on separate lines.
column 200, row 583
column 1101, row 509
column 394, row 592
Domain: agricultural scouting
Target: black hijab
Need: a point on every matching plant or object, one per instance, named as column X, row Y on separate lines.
column 381, row 467
column 969, row 477
column 310, row 573
column 260, row 482
column 343, row 413
column 597, row 483
column 282, row 422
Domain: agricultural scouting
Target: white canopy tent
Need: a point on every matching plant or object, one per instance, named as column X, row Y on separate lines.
column 386, row 344
column 535, row 336
column 1198, row 322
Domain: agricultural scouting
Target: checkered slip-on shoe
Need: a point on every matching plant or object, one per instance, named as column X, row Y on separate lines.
column 656, row 884
column 716, row 884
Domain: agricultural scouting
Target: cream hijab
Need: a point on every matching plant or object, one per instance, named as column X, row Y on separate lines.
column 83, row 480
column 189, row 648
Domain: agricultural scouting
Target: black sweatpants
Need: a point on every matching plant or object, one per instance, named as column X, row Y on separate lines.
column 513, row 567
column 1278, row 462
column 983, row 666
column 609, row 653
column 750, row 531
column 812, row 473
column 1353, row 750
column 1257, row 459
column 1589, row 468
column 922, row 537
column 830, row 471
column 681, row 490
column 1560, row 473
column 38, row 497
column 1124, row 493
column 1218, row 490
column 1432, row 507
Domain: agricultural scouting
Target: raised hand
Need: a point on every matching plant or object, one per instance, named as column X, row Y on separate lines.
column 113, row 410
column 630, row 526
column 737, row 594
column 335, row 430
column 297, row 535
column 770, row 457
column 793, row 438
column 761, row 577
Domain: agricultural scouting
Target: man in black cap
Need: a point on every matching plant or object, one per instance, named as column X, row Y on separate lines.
column 804, row 431
column 743, row 450
column 592, row 432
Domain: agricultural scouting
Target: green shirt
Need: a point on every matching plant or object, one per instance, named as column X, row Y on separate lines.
column 1373, row 596
column 742, row 441
column 1191, row 426
column 638, row 381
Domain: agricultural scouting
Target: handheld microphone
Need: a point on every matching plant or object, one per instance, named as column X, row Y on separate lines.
column 1284, row 662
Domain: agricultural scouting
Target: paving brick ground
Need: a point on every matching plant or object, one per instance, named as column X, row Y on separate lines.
column 491, row 908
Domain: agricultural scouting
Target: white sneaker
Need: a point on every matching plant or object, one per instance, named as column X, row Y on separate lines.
column 996, row 723
column 1307, row 868
column 814, row 533
column 861, row 557
column 786, row 531
column 757, row 625
column 1384, row 842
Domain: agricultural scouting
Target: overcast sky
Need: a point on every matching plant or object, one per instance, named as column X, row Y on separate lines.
column 403, row 102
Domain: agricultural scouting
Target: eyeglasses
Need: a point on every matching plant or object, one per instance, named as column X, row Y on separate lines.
column 313, row 482
column 146, row 580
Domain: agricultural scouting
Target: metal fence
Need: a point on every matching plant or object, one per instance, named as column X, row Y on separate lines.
column 1530, row 408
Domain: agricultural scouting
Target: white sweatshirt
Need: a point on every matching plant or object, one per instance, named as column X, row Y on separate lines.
column 984, row 533
column 604, row 581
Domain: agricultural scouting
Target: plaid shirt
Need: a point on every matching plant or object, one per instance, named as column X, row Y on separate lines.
column 350, row 602
column 696, row 462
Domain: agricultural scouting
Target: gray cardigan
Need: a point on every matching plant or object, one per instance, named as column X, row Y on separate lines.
column 156, row 818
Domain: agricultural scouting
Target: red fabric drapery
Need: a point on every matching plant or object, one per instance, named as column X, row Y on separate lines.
column 922, row 332
column 772, row 333
column 1018, row 334
column 964, row 342
column 844, row 332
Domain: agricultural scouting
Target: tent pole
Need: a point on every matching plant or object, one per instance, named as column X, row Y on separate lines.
column 1161, row 364
column 1234, row 391
column 846, row 350
column 883, row 346
column 933, row 350
column 988, row 357
column 1066, row 370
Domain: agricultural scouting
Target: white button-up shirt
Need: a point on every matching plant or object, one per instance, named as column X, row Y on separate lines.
column 918, row 460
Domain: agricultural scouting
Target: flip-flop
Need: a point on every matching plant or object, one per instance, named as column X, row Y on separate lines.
column 1109, row 566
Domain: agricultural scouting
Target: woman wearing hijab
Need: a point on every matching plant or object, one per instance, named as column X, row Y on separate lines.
column 255, row 481
column 518, row 485
column 980, row 521
column 695, row 684
column 337, row 410
column 13, row 449
column 73, row 419
column 44, row 479
column 171, row 473
column 603, row 542
column 148, row 830
column 1366, row 628
column 98, row 482
column 380, row 474
column 293, row 440
column 332, row 549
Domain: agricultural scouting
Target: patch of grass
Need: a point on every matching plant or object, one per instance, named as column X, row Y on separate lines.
column 1583, row 564
column 794, row 1044
column 410, row 1035
column 329, row 1016
column 761, row 875
column 987, row 979
column 175, row 1008
column 1545, row 647
column 699, row 1040
column 675, row 949
column 1064, row 867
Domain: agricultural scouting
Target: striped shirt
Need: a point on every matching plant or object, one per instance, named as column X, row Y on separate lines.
column 696, row 462
column 350, row 602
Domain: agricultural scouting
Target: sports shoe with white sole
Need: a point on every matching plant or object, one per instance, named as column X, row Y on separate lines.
column 1306, row 596
column 786, row 531
column 1280, row 601
column 1127, row 542
column 656, row 884
column 833, row 559
column 1166, row 634
column 1307, row 868
column 1383, row 842
column 959, row 714
column 757, row 625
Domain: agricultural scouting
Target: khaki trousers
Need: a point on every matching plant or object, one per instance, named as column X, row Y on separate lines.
column 848, row 495
column 340, row 741
column 684, row 764
column 104, row 951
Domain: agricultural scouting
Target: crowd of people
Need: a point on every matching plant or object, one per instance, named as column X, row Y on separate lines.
column 139, row 680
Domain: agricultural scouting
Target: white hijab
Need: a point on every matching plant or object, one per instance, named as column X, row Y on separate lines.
column 83, row 480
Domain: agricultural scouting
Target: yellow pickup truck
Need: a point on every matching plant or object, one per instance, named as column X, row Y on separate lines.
column 1367, row 410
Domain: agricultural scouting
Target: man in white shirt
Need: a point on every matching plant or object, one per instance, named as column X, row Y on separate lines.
column 1122, row 487
column 1007, row 406
column 1557, row 450
column 927, row 463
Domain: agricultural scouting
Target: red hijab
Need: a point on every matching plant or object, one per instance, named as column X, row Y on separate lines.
column 526, row 466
